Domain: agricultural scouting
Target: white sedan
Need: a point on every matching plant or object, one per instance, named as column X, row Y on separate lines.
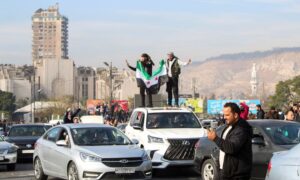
column 8, row 154
column 285, row 165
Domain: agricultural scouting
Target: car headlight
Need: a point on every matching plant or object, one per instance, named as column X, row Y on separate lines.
column 152, row 139
column 146, row 157
column 13, row 149
column 89, row 158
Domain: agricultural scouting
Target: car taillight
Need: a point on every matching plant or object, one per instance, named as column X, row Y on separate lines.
column 269, row 168
column 197, row 144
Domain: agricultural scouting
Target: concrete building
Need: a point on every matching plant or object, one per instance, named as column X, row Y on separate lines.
column 55, row 72
column 85, row 83
column 16, row 79
column 50, row 34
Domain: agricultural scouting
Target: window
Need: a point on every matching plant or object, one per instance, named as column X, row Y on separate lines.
column 52, row 135
column 137, row 119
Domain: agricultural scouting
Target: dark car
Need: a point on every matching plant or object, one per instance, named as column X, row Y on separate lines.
column 24, row 136
column 269, row 136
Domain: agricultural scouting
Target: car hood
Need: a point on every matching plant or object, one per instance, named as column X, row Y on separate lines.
column 23, row 140
column 5, row 145
column 177, row 133
column 118, row 151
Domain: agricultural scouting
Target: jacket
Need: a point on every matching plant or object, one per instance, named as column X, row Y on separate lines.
column 245, row 112
column 175, row 69
column 238, row 151
column 260, row 114
column 69, row 121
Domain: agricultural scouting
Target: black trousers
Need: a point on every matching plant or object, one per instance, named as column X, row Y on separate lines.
column 222, row 177
column 172, row 88
column 143, row 96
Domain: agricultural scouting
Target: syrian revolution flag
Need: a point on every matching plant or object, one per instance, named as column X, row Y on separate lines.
column 151, row 83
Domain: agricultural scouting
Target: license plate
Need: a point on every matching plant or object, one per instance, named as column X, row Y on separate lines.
column 125, row 170
column 1, row 158
column 31, row 151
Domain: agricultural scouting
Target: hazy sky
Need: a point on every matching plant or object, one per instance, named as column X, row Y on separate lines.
column 115, row 30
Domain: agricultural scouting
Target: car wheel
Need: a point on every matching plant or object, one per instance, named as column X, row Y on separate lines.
column 209, row 170
column 38, row 170
column 11, row 167
column 72, row 172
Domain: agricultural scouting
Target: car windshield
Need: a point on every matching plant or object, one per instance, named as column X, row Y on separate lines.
column 97, row 136
column 172, row 120
column 26, row 131
column 283, row 134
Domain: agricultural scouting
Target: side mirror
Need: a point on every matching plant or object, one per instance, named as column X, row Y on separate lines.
column 135, row 141
column 258, row 141
column 61, row 143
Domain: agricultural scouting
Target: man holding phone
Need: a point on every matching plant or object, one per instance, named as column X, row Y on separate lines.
column 235, row 145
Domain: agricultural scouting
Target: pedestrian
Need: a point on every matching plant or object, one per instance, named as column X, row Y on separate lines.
column 272, row 114
column 76, row 120
column 69, row 115
column 289, row 116
column 174, row 70
column 280, row 114
column 244, row 111
column 260, row 112
column 147, row 64
column 235, row 145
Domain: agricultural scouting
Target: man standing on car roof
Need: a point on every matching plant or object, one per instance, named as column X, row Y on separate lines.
column 235, row 145
column 174, row 70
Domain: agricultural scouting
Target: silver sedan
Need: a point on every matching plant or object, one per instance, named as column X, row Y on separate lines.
column 89, row 151
column 8, row 154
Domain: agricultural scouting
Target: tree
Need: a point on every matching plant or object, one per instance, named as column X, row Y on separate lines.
column 7, row 102
column 286, row 92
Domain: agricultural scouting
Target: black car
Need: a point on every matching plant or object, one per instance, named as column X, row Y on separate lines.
column 269, row 136
column 24, row 136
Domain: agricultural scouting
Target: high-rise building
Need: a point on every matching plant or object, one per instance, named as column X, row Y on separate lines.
column 50, row 34
column 54, row 71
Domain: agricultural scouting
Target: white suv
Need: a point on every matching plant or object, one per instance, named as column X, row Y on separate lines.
column 168, row 135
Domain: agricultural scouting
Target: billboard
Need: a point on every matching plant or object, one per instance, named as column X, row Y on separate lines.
column 195, row 104
column 216, row 106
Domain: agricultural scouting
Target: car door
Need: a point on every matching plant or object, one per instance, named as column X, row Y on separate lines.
column 46, row 150
column 136, row 125
column 62, row 153
column 261, row 154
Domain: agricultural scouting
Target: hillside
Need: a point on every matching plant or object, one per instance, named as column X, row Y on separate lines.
column 229, row 75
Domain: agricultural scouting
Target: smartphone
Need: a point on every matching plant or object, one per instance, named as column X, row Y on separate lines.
column 213, row 125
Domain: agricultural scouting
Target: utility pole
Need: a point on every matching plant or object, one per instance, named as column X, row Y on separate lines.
column 110, row 84
column 194, row 87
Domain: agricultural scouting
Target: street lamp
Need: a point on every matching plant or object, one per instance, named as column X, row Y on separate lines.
column 110, row 84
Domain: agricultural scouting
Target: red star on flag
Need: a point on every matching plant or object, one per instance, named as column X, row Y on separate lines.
column 148, row 82
column 156, row 78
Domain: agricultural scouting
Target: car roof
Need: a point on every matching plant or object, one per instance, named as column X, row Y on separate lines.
column 262, row 122
column 164, row 109
column 87, row 125
column 32, row 124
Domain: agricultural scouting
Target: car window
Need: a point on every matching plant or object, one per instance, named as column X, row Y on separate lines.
column 138, row 119
column 96, row 136
column 53, row 134
column 283, row 134
column 26, row 131
column 172, row 120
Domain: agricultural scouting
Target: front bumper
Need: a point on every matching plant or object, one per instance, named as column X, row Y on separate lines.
column 97, row 170
column 8, row 158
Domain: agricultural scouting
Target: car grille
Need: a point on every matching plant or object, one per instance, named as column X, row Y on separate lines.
column 122, row 162
column 181, row 149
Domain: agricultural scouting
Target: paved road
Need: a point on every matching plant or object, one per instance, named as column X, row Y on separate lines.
column 24, row 171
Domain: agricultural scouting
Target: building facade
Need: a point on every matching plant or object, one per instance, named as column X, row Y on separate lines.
column 85, row 83
column 50, row 34
column 16, row 80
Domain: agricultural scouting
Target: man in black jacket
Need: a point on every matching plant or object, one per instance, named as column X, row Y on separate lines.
column 260, row 112
column 235, row 145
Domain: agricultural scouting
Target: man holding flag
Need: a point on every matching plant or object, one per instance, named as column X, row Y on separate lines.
column 174, row 69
